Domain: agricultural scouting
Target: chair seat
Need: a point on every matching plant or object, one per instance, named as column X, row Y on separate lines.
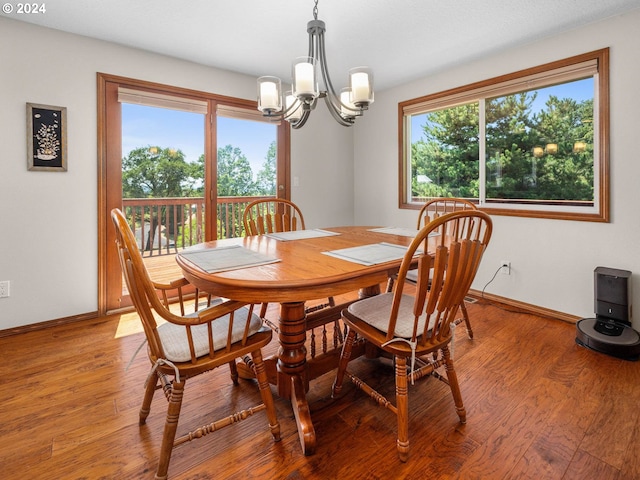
column 412, row 276
column 376, row 310
column 176, row 344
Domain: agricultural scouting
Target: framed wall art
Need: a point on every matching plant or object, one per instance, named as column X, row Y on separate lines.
column 46, row 138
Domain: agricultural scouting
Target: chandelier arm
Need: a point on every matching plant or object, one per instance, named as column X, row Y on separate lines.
column 274, row 118
column 281, row 115
column 312, row 35
column 325, row 69
column 334, row 100
column 303, row 119
column 345, row 122
column 287, row 111
column 335, row 104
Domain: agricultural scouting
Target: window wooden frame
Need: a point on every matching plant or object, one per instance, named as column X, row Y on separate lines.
column 541, row 75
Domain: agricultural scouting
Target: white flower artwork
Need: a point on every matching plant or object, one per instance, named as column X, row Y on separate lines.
column 46, row 137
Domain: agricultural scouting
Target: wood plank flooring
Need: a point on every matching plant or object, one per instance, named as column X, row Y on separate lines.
column 538, row 406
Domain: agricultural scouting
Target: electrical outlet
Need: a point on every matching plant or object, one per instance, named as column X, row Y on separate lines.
column 4, row 289
column 505, row 267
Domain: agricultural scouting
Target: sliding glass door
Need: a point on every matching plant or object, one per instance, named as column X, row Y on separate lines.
column 182, row 165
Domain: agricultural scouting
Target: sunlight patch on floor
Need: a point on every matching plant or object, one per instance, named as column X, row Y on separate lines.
column 130, row 323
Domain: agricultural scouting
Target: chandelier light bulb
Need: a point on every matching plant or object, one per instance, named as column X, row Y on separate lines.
column 361, row 81
column 269, row 98
column 347, row 108
column 293, row 107
column 304, row 78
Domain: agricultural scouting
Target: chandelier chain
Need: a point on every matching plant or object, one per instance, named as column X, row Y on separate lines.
column 315, row 10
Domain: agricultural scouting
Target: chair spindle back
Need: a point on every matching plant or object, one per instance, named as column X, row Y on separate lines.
column 272, row 215
column 457, row 249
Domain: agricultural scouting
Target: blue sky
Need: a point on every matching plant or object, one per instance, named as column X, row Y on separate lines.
column 144, row 126
column 579, row 91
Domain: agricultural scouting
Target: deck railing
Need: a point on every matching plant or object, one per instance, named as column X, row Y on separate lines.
column 163, row 226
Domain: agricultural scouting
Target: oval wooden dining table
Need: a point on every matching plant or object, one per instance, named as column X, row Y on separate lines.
column 303, row 272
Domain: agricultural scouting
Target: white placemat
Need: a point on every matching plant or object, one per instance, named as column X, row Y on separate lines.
column 404, row 232
column 301, row 234
column 371, row 254
column 233, row 257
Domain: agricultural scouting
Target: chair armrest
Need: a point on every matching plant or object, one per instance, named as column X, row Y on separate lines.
column 211, row 313
column 177, row 283
column 207, row 315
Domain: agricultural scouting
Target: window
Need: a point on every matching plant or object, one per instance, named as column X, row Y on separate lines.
column 533, row 143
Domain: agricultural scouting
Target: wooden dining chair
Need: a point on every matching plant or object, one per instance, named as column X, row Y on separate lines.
column 416, row 330
column 274, row 215
column 431, row 210
column 183, row 346
column 436, row 207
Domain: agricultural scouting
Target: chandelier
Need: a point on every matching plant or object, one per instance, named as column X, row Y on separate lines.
column 296, row 105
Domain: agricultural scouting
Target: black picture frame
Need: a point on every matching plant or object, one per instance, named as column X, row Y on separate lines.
column 46, row 138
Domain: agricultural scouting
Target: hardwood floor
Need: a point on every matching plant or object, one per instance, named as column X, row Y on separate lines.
column 538, row 406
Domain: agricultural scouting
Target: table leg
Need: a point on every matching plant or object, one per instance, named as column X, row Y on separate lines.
column 291, row 370
column 370, row 291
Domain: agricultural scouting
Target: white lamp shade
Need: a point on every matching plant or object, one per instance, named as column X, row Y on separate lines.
column 347, row 108
column 305, row 78
column 293, row 107
column 361, row 84
column 269, row 97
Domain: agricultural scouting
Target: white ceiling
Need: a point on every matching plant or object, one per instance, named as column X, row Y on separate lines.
column 400, row 39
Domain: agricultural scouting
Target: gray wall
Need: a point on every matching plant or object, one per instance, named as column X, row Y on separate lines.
column 552, row 260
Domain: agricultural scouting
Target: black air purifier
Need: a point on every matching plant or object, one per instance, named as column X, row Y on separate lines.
column 610, row 332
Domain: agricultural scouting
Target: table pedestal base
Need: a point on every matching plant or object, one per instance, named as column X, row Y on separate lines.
column 291, row 372
column 291, row 365
column 300, row 406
